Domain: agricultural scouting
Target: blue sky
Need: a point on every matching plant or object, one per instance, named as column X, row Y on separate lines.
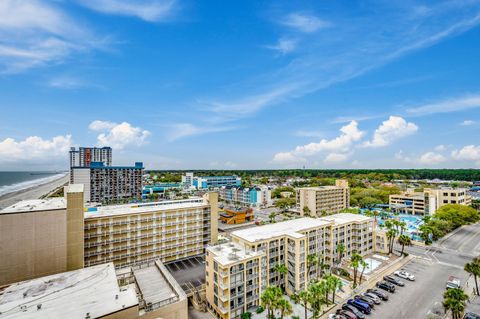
column 186, row 84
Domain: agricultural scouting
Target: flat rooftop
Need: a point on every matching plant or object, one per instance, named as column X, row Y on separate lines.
column 231, row 252
column 289, row 227
column 157, row 286
column 345, row 218
column 93, row 290
column 189, row 273
column 112, row 210
column 35, row 205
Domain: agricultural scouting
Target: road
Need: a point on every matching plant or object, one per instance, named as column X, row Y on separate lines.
column 422, row 298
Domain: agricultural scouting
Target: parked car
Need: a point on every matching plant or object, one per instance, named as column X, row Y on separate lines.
column 360, row 305
column 386, row 286
column 346, row 314
column 353, row 310
column 376, row 299
column 404, row 275
column 378, row 293
column 366, row 300
column 471, row 315
column 453, row 282
column 339, row 316
column 394, row 281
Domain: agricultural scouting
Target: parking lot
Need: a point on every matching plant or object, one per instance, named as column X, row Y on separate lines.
column 421, row 298
column 189, row 273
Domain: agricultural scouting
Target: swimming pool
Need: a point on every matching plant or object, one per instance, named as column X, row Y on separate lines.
column 412, row 223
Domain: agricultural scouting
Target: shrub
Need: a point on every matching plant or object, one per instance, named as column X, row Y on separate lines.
column 260, row 309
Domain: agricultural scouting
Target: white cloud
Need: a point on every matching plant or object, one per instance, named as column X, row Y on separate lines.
column 333, row 158
column 468, row 153
column 338, row 147
column 181, row 130
column 401, row 156
column 304, row 22
column 148, row 10
column 307, row 133
column 432, row 158
column 440, row 148
column 288, row 158
column 226, row 165
column 284, row 46
column 36, row 33
column 392, row 129
column 467, row 123
column 34, row 148
column 118, row 135
column 446, row 106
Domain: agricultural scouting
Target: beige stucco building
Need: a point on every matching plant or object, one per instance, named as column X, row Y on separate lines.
column 233, row 283
column 323, row 200
column 42, row 237
column 428, row 201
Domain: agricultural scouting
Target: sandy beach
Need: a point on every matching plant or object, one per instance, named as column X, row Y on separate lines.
column 32, row 192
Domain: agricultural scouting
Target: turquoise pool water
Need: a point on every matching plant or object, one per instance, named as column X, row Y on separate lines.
column 413, row 222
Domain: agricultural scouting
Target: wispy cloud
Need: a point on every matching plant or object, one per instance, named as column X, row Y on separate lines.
column 307, row 133
column 304, row 22
column 68, row 82
column 468, row 123
column 283, row 46
column 347, row 51
column 147, row 10
column 446, row 106
column 182, row 130
column 35, row 33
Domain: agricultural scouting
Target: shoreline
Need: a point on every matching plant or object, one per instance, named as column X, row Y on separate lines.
column 34, row 192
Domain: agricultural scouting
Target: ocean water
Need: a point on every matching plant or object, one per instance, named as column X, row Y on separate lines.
column 15, row 181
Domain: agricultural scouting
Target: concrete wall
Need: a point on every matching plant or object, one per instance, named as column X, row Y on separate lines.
column 75, row 221
column 178, row 310
column 213, row 201
column 32, row 244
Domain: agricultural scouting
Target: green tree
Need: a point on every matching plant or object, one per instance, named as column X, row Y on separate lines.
column 473, row 268
column 340, row 252
column 282, row 270
column 337, row 284
column 404, row 240
column 455, row 301
column 304, row 298
column 269, row 299
column 246, row 315
column 355, row 261
column 306, row 211
column 312, row 261
column 364, row 265
column 272, row 216
column 284, row 307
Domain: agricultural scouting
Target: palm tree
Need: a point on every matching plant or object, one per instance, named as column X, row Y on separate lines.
column 355, row 263
column 304, row 298
column 320, row 265
column 306, row 211
column 364, row 265
column 426, row 232
column 269, row 299
column 312, row 261
column 284, row 307
column 317, row 294
column 455, row 301
column 337, row 284
column 272, row 217
column 391, row 237
column 473, row 268
column 282, row 271
column 404, row 240
column 340, row 251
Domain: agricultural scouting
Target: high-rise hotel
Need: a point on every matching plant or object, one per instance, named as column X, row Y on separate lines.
column 47, row 236
column 238, row 271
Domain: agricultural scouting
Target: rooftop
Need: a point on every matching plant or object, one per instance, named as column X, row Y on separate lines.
column 35, row 205
column 319, row 188
column 74, row 294
column 344, row 218
column 289, row 227
column 113, row 210
column 231, row 252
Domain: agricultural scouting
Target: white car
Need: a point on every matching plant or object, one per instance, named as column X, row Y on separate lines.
column 404, row 275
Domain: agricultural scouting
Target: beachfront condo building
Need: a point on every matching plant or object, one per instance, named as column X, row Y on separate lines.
column 84, row 156
column 323, row 200
column 427, row 202
column 257, row 196
column 42, row 237
column 107, row 184
column 238, row 271
column 210, row 182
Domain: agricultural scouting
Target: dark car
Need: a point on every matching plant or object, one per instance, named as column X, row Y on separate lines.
column 386, row 286
column 471, row 315
column 379, row 293
column 353, row 310
column 394, row 281
column 366, row 300
column 360, row 305
column 346, row 314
